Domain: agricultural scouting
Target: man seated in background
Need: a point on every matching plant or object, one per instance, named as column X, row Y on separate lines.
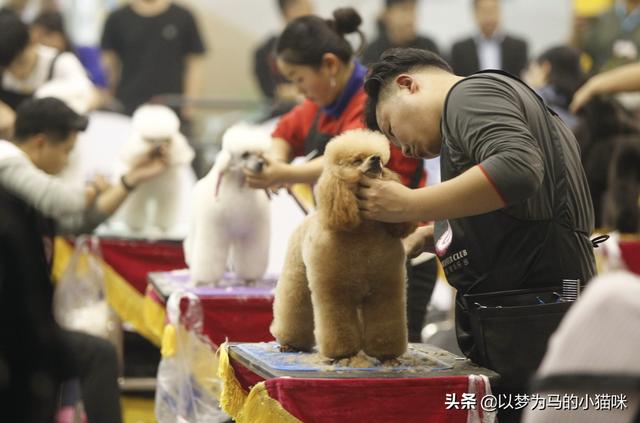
column 36, row 355
column 397, row 28
column 490, row 48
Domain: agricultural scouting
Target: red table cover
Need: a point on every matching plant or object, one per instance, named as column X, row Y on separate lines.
column 363, row 400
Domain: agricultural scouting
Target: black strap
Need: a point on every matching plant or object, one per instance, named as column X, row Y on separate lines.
column 52, row 65
column 416, row 176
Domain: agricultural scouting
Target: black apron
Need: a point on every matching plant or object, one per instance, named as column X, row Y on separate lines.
column 498, row 252
column 13, row 98
column 316, row 141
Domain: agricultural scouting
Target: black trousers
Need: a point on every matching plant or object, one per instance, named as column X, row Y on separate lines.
column 421, row 279
column 95, row 363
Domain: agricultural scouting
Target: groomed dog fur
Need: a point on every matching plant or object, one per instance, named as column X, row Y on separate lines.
column 230, row 222
column 153, row 125
column 343, row 273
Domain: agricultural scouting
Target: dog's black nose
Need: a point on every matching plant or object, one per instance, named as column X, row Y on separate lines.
column 375, row 159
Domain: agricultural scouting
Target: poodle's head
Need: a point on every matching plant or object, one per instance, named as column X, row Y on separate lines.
column 243, row 145
column 347, row 157
column 155, row 124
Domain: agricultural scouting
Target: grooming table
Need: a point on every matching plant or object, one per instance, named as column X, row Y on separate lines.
column 263, row 383
column 231, row 311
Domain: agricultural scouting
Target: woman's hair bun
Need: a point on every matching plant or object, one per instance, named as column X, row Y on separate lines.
column 347, row 20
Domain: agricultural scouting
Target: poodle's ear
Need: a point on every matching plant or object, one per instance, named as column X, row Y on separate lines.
column 223, row 160
column 337, row 204
column 400, row 230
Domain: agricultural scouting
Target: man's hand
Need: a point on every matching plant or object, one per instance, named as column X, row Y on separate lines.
column 148, row 166
column 273, row 175
column 419, row 241
column 385, row 201
column 94, row 188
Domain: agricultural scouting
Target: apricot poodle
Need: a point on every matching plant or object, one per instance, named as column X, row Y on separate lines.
column 343, row 273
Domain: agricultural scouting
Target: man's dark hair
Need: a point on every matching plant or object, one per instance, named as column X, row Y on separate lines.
column 566, row 74
column 392, row 63
column 307, row 39
column 14, row 36
column 48, row 116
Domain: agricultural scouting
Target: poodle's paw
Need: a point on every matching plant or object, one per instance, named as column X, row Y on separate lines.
column 288, row 348
column 391, row 362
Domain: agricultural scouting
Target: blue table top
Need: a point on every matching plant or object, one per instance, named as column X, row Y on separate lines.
column 268, row 360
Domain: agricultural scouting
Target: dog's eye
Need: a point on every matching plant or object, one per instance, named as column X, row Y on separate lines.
column 357, row 162
column 245, row 155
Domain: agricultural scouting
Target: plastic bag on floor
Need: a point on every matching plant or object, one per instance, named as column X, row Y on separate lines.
column 187, row 385
column 79, row 299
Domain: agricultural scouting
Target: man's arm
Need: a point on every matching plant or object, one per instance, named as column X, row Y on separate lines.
column 469, row 194
column 624, row 78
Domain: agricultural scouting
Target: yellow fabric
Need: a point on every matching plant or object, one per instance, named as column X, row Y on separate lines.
column 257, row 407
column 232, row 397
column 153, row 316
column 261, row 408
column 168, row 348
column 127, row 302
column 589, row 8
column 137, row 410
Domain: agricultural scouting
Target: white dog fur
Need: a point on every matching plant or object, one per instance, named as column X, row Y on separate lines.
column 230, row 222
column 149, row 123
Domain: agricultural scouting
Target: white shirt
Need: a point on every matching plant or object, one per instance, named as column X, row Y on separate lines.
column 66, row 67
column 48, row 194
column 489, row 51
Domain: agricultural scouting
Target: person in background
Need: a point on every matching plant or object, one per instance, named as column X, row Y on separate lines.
column 27, row 67
column 594, row 348
column 613, row 38
column 36, row 354
column 313, row 53
column 273, row 85
column 397, row 28
column 48, row 29
column 556, row 75
column 151, row 48
column 45, row 134
column 604, row 124
column 491, row 48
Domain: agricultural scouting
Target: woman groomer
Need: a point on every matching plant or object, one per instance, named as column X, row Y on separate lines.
column 313, row 53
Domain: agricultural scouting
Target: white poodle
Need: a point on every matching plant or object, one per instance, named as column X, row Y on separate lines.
column 153, row 126
column 230, row 222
